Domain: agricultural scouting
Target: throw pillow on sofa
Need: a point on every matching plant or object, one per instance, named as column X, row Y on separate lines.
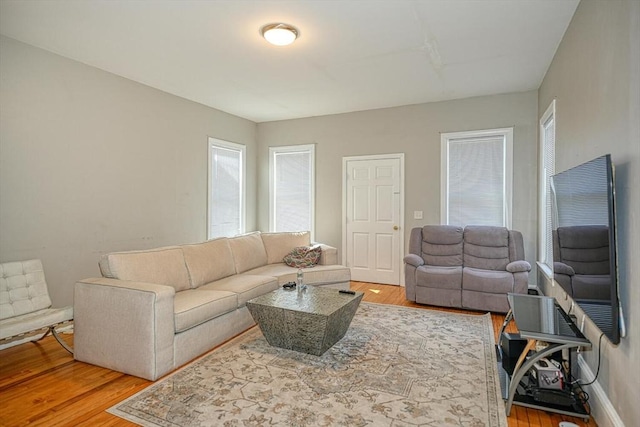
column 303, row 256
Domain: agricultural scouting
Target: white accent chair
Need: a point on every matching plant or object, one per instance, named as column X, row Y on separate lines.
column 25, row 306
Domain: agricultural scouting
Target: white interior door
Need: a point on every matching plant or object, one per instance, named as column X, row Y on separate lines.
column 373, row 221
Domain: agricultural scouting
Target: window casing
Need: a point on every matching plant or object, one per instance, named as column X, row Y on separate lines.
column 477, row 177
column 292, row 188
column 226, row 189
column 546, row 171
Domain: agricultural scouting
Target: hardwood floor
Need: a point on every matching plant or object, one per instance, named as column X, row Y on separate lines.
column 42, row 385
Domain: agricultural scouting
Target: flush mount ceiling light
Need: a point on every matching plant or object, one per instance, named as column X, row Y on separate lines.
column 279, row 34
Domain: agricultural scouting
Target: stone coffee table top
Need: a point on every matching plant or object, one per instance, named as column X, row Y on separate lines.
column 311, row 322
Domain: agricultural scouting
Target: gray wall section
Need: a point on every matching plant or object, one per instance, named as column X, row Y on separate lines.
column 415, row 131
column 595, row 77
column 92, row 163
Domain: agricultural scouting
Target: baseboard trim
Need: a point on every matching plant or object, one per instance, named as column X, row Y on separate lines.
column 602, row 410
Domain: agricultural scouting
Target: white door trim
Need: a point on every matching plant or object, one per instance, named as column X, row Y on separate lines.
column 345, row 160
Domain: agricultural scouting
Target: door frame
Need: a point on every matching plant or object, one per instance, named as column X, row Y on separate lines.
column 345, row 160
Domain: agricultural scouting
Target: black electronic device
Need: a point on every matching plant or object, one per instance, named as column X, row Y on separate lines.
column 554, row 397
column 345, row 291
column 583, row 213
column 289, row 286
column 512, row 345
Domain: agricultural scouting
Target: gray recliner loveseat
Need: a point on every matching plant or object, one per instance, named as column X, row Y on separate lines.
column 471, row 268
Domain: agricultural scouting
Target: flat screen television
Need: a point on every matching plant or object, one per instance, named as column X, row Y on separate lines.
column 584, row 241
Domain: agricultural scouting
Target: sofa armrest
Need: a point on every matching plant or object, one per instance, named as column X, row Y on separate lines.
column 414, row 260
column 329, row 255
column 125, row 326
column 518, row 267
column 562, row 268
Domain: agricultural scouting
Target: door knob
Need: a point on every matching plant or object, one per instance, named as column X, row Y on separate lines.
column 395, row 227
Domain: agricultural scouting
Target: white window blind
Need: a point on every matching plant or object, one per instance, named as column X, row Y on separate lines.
column 292, row 171
column 477, row 178
column 547, row 170
column 226, row 189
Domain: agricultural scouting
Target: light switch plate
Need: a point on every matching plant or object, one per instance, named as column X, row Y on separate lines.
column 417, row 214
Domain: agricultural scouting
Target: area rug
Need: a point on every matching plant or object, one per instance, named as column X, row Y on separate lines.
column 396, row 366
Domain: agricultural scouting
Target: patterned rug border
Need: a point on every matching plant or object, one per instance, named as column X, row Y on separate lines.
column 492, row 378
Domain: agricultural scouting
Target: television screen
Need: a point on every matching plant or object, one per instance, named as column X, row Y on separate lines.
column 584, row 241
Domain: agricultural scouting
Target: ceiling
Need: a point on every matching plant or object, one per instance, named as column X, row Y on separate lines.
column 351, row 55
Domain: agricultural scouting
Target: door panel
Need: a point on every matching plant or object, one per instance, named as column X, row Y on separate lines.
column 361, row 250
column 384, row 252
column 373, row 219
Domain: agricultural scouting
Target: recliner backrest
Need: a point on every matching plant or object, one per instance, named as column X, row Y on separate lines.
column 441, row 245
column 488, row 248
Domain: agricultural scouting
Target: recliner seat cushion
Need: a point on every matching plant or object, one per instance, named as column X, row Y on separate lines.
column 439, row 277
column 487, row 281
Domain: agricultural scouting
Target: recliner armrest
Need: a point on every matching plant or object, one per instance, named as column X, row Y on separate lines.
column 414, row 260
column 562, row 268
column 518, row 267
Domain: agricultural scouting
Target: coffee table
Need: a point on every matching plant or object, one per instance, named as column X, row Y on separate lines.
column 310, row 323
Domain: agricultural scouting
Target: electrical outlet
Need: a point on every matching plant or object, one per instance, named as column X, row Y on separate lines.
column 417, row 214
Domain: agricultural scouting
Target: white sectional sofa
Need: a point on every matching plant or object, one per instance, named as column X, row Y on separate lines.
column 155, row 310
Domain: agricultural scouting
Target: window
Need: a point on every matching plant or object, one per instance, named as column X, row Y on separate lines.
column 291, row 188
column 477, row 177
column 226, row 188
column 546, row 171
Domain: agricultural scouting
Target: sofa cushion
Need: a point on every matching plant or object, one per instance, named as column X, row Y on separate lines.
column 246, row 286
column 442, row 245
column 320, row 274
column 486, row 247
column 164, row 266
column 303, row 256
column 439, row 277
column 278, row 245
column 487, row 281
column 22, row 288
column 209, row 261
column 195, row 306
column 248, row 252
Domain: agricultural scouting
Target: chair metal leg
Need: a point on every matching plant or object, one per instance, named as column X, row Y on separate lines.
column 52, row 331
column 45, row 334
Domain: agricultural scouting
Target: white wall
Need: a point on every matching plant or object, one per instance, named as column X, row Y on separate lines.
column 413, row 130
column 92, row 163
column 595, row 77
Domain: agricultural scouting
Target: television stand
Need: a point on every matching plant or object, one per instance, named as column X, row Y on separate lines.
column 539, row 318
